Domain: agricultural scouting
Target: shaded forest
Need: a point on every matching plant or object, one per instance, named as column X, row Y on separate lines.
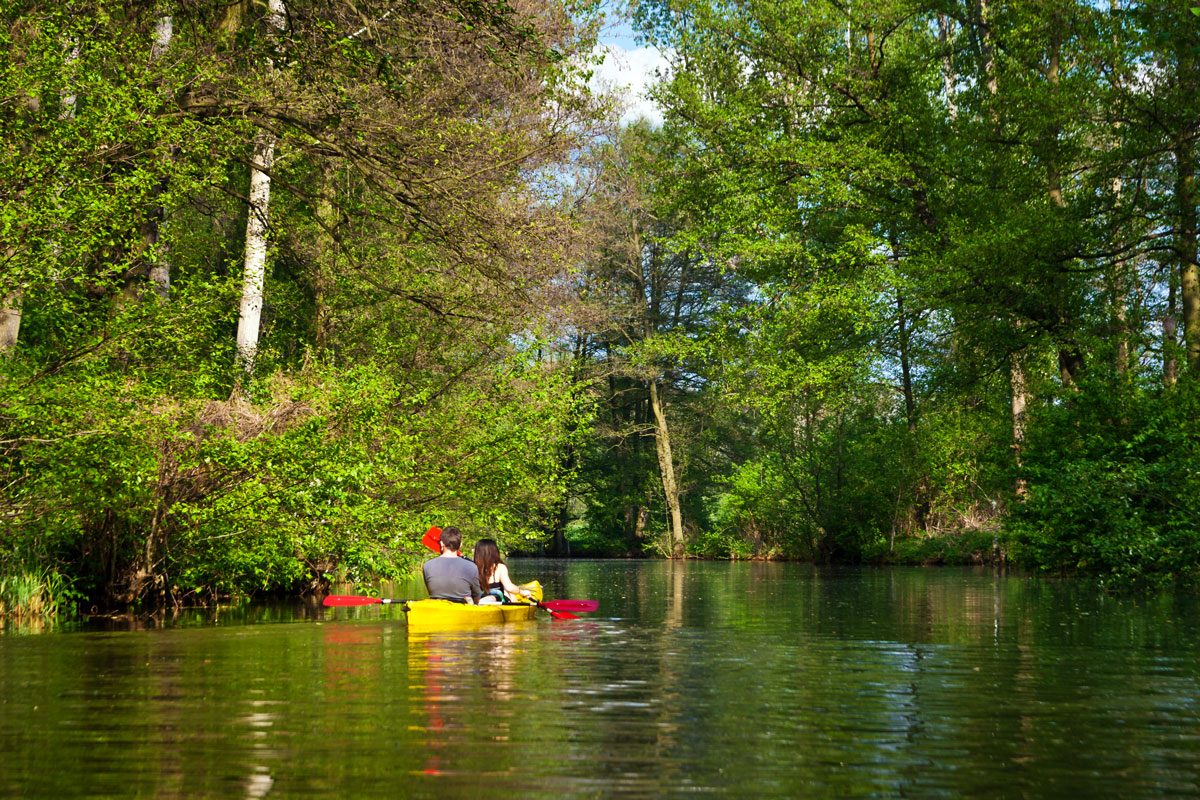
column 285, row 283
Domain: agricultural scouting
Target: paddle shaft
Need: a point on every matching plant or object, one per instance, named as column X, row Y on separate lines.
column 359, row 600
column 556, row 614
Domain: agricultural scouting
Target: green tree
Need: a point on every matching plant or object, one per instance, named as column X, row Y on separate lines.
column 652, row 304
column 415, row 242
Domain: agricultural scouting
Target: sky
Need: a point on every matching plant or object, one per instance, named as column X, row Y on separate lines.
column 628, row 68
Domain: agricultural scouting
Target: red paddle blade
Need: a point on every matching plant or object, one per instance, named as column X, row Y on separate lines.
column 582, row 606
column 433, row 539
column 561, row 614
column 349, row 600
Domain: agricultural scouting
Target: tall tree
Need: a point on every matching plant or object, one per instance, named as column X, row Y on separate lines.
column 653, row 301
column 254, row 270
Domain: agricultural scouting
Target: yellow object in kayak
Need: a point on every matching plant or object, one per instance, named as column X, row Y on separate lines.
column 448, row 614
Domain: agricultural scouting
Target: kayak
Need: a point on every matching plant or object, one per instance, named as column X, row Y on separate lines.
column 448, row 614
column 427, row 613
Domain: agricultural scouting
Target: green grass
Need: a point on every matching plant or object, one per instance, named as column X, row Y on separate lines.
column 27, row 595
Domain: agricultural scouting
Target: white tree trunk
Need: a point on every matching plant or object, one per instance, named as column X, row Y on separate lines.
column 10, row 320
column 945, row 31
column 254, row 271
column 163, row 27
column 156, row 244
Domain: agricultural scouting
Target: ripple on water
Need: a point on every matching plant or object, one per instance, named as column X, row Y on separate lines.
column 707, row 679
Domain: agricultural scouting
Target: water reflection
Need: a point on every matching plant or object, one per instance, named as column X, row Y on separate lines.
column 731, row 679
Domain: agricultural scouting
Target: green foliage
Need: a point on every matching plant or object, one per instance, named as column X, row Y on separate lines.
column 934, row 207
column 966, row 547
column 1112, row 486
column 753, row 517
column 399, row 379
column 325, row 473
column 863, row 240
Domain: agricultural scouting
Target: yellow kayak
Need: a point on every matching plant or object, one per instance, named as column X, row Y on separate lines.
column 448, row 614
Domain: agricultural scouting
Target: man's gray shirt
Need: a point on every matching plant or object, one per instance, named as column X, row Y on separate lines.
column 452, row 578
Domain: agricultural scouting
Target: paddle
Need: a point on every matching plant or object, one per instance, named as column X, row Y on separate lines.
column 433, row 539
column 582, row 606
column 358, row 600
column 557, row 614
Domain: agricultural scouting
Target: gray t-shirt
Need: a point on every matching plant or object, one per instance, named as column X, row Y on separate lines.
column 452, row 578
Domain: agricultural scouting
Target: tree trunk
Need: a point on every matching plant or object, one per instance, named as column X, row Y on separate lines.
column 10, row 314
column 910, row 406
column 1070, row 359
column 1119, row 281
column 326, row 266
column 1120, row 299
column 988, row 51
column 945, row 31
column 1053, row 170
column 255, row 263
column 12, row 301
column 1189, row 274
column 1020, row 400
column 1017, row 377
column 156, row 247
column 666, row 467
column 1170, row 337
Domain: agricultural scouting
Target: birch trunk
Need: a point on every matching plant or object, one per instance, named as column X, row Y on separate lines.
column 666, row 466
column 156, row 245
column 945, row 31
column 326, row 264
column 989, row 53
column 1120, row 296
column 10, row 313
column 255, row 261
column 12, row 304
column 12, row 301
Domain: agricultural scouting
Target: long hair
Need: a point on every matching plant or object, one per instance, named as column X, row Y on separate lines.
column 487, row 557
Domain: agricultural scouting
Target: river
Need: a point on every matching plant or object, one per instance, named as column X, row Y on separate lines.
column 693, row 678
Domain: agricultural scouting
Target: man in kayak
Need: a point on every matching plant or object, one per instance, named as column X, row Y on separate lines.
column 448, row 577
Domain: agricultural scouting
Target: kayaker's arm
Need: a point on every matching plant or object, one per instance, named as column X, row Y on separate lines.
column 505, row 581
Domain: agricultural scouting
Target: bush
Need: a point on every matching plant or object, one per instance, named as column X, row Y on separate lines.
column 1112, row 485
column 140, row 497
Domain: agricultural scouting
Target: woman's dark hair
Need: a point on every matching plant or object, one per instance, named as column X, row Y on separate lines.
column 487, row 556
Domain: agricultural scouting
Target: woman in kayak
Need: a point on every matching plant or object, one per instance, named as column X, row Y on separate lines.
column 493, row 574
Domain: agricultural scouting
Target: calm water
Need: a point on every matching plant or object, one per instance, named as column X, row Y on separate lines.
column 693, row 678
